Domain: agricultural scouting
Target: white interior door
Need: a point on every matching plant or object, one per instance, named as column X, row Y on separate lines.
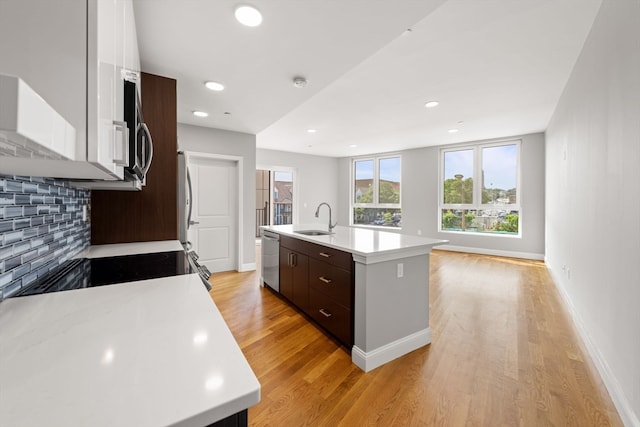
column 213, row 231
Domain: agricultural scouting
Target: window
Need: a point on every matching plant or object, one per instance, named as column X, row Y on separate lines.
column 282, row 197
column 376, row 192
column 479, row 189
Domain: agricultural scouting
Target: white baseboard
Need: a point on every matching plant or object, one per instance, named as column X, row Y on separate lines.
column 494, row 252
column 368, row 361
column 629, row 418
column 247, row 267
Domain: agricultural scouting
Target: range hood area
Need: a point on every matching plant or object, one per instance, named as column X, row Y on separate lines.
column 29, row 126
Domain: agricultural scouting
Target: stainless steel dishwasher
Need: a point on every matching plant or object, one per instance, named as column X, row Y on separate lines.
column 271, row 260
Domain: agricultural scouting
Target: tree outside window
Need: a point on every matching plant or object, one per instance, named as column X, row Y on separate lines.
column 479, row 189
column 376, row 192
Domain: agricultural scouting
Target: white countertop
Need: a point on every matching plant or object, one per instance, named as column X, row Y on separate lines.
column 119, row 249
column 149, row 353
column 365, row 244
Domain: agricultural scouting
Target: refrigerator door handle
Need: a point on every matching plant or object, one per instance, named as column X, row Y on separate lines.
column 189, row 198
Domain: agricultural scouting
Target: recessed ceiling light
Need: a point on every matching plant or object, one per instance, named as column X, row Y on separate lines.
column 200, row 114
column 353, row 146
column 215, row 86
column 311, row 130
column 248, row 15
column 453, row 130
column 432, row 104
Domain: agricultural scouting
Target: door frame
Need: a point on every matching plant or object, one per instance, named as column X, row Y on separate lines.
column 239, row 202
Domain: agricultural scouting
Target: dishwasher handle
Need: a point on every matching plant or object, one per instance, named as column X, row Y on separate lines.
column 271, row 236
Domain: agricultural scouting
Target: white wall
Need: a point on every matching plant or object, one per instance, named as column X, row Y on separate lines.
column 593, row 199
column 316, row 181
column 420, row 200
column 217, row 141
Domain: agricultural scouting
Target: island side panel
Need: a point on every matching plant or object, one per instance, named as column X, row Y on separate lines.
column 391, row 313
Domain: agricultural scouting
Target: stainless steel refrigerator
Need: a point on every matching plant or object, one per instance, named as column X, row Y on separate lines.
column 185, row 194
column 185, row 221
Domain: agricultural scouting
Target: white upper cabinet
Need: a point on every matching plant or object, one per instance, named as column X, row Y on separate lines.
column 74, row 54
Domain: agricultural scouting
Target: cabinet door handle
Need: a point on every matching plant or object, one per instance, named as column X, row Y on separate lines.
column 121, row 128
column 324, row 254
column 325, row 313
column 324, row 279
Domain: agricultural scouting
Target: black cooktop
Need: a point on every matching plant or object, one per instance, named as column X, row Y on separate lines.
column 90, row 272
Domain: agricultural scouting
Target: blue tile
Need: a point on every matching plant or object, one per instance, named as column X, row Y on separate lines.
column 30, row 188
column 21, row 223
column 6, row 198
column 40, row 225
column 37, row 199
column 29, row 256
column 29, row 278
column 22, row 199
column 21, row 271
column 11, row 288
column 30, row 232
column 21, row 247
column 6, row 278
column 6, row 226
column 12, row 211
column 13, row 186
column 30, row 210
column 11, row 263
column 12, row 237
column 6, row 252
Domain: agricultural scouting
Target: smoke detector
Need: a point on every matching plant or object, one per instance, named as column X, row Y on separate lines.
column 299, row 82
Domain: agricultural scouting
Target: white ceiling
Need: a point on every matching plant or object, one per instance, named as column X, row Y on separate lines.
column 498, row 66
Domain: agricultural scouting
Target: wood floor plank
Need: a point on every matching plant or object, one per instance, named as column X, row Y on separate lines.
column 504, row 353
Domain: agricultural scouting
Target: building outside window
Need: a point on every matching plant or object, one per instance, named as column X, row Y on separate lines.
column 479, row 189
column 282, row 197
column 376, row 191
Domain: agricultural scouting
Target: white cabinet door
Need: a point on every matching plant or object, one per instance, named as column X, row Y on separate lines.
column 73, row 54
column 106, row 132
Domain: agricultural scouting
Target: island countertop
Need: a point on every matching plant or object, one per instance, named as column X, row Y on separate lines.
column 148, row 353
column 365, row 244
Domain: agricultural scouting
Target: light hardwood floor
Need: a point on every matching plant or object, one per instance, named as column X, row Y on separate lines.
column 503, row 353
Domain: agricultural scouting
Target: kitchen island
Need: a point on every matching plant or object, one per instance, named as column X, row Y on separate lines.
column 148, row 353
column 389, row 307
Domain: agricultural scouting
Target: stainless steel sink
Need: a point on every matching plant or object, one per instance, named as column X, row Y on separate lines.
column 314, row 232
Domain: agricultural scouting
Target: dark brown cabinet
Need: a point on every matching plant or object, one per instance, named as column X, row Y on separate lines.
column 294, row 277
column 319, row 281
column 152, row 213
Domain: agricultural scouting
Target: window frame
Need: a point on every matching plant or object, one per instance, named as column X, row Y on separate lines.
column 376, row 189
column 476, row 203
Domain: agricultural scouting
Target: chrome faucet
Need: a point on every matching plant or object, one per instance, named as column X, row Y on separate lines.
column 331, row 226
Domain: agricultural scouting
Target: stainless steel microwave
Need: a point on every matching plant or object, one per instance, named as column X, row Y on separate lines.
column 140, row 142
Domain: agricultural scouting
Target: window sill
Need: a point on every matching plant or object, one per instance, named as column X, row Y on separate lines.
column 481, row 233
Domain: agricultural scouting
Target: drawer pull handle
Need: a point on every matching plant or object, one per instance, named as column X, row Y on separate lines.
column 325, row 313
column 324, row 254
column 324, row 279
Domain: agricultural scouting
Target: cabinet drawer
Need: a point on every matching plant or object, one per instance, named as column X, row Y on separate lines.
column 323, row 253
column 330, row 280
column 330, row 315
column 332, row 256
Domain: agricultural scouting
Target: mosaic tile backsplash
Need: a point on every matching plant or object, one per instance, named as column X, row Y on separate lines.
column 41, row 226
